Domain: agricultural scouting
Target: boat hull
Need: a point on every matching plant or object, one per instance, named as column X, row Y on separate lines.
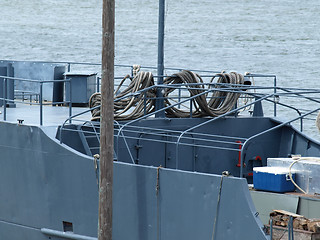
column 45, row 184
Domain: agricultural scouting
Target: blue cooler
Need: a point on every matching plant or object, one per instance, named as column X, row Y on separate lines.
column 273, row 179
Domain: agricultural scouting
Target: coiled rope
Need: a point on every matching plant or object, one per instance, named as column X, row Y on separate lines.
column 132, row 106
column 219, row 102
column 209, row 102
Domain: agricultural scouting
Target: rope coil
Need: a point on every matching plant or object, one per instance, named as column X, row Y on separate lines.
column 209, row 101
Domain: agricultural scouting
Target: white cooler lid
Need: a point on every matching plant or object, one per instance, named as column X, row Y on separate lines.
column 274, row 170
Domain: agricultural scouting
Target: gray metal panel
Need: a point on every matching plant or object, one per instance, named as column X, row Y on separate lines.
column 58, row 87
column 203, row 159
column 42, row 184
column 36, row 71
column 286, row 141
column 309, row 207
column 82, row 87
column 184, row 208
column 10, row 231
column 6, row 69
column 266, row 202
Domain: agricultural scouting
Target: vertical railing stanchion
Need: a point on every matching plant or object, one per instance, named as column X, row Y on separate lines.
column 145, row 103
column 275, row 92
column 271, row 228
column 132, row 71
column 241, row 162
column 5, row 99
column 40, row 100
column 190, row 108
column 179, row 97
column 70, row 102
column 290, row 230
column 98, row 84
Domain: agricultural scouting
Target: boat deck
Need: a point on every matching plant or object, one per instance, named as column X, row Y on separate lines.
column 52, row 115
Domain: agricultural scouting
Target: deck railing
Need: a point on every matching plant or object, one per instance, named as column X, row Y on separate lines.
column 190, row 137
column 258, row 93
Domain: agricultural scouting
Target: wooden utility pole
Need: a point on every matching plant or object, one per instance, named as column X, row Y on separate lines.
column 106, row 125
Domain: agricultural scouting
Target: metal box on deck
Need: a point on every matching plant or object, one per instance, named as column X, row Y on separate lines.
column 83, row 85
column 307, row 172
column 273, row 179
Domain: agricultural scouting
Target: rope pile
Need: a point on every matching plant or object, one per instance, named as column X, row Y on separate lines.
column 207, row 101
column 219, row 102
column 132, row 106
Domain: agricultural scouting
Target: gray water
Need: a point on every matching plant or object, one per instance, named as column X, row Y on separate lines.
column 264, row 36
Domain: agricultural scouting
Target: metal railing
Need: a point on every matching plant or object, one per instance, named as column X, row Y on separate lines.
column 39, row 100
column 128, row 127
column 181, row 100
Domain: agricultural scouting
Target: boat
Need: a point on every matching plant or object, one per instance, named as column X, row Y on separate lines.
column 182, row 171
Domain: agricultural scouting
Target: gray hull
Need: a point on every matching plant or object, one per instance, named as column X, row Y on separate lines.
column 44, row 184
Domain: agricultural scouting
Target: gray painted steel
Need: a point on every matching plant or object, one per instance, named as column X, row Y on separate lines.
column 43, row 183
column 38, row 71
column 48, row 176
column 201, row 153
column 83, row 85
column 6, row 69
column 266, row 202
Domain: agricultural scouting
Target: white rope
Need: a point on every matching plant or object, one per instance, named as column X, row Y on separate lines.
column 298, row 159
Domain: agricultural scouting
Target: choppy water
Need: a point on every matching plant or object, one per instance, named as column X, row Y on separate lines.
column 264, row 36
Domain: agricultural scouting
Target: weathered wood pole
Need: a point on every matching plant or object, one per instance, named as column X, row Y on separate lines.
column 106, row 125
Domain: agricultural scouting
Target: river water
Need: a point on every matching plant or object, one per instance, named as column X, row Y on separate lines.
column 264, row 36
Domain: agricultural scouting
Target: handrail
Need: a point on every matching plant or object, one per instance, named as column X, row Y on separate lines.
column 116, row 65
column 266, row 131
column 65, row 235
column 211, row 120
column 125, row 141
column 188, row 99
column 180, row 87
column 41, row 82
column 247, row 141
column 165, row 108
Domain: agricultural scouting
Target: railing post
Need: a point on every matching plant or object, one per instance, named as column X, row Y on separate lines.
column 132, row 71
column 290, row 229
column 145, row 103
column 275, row 93
column 190, row 108
column 5, row 99
column 98, row 84
column 40, row 100
column 271, row 229
column 179, row 97
column 241, row 162
column 70, row 101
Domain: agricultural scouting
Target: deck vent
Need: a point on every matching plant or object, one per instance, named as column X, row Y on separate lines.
column 67, row 226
